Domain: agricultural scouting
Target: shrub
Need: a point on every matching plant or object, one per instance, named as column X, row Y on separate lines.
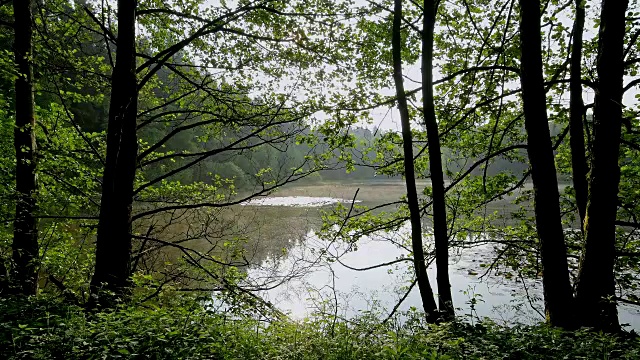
column 46, row 328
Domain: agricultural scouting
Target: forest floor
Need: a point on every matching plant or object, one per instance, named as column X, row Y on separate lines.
column 179, row 328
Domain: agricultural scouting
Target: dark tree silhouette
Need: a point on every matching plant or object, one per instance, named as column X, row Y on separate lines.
column 556, row 283
column 440, row 231
column 25, row 226
column 576, row 130
column 113, row 247
column 426, row 292
column 595, row 288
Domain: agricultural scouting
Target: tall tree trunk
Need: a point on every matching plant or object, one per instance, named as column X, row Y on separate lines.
column 556, row 284
column 25, row 226
column 576, row 131
column 426, row 293
column 435, row 164
column 113, row 252
column 595, row 288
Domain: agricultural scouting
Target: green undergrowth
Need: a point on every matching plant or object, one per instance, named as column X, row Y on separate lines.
column 50, row 329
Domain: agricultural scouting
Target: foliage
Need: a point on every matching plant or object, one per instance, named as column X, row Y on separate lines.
column 287, row 91
column 45, row 328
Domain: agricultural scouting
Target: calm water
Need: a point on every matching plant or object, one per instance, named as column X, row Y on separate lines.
column 307, row 283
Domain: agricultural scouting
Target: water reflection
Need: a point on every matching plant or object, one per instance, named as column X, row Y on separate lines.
column 291, row 263
column 357, row 289
column 311, row 283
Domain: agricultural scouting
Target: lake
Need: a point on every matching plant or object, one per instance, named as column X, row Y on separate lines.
column 282, row 232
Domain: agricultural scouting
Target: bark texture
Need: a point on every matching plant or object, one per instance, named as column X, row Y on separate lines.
column 426, row 292
column 556, row 284
column 595, row 288
column 576, row 130
column 113, row 248
column 25, row 226
column 440, row 235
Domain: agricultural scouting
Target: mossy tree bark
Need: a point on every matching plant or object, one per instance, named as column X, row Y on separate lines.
column 595, row 288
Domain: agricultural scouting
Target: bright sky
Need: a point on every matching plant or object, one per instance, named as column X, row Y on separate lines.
column 388, row 119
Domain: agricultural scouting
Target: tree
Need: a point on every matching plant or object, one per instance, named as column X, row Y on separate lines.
column 455, row 113
column 481, row 128
column 440, row 227
column 25, row 226
column 577, row 113
column 557, row 287
column 188, row 104
column 426, row 293
column 595, row 287
column 113, row 244
column 210, row 108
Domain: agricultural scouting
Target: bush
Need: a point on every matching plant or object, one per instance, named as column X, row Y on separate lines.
column 43, row 328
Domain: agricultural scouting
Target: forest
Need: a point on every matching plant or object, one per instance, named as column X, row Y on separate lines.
column 142, row 140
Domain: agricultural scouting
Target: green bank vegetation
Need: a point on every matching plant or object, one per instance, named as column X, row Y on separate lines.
column 51, row 329
column 130, row 132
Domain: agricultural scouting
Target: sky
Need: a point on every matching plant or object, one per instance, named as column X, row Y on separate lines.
column 388, row 119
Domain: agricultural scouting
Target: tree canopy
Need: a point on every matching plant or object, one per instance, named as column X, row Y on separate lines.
column 133, row 133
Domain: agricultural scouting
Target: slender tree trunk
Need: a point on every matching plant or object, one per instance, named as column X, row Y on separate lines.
column 4, row 280
column 25, row 226
column 113, row 252
column 556, row 284
column 576, row 131
column 426, row 293
column 595, row 288
column 435, row 164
